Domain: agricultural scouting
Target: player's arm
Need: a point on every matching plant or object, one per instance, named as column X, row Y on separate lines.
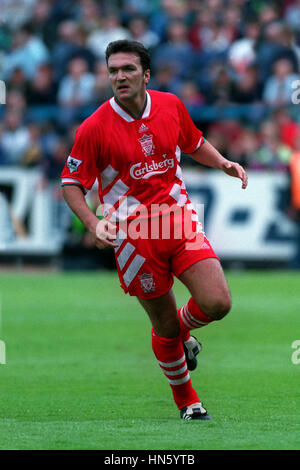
column 102, row 231
column 208, row 155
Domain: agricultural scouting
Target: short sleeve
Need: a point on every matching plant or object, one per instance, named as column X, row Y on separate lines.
column 190, row 137
column 81, row 167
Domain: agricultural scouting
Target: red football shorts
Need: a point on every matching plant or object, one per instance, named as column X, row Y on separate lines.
column 147, row 265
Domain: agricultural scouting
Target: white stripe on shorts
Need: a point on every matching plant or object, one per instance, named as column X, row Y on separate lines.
column 133, row 269
column 121, row 236
column 125, row 254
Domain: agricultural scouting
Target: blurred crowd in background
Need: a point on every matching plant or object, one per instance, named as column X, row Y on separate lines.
column 234, row 63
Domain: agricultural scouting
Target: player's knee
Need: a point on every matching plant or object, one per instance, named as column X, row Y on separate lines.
column 219, row 307
column 223, row 308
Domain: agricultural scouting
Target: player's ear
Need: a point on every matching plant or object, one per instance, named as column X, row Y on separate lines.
column 147, row 76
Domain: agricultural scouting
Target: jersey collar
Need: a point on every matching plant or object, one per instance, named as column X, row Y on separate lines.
column 125, row 114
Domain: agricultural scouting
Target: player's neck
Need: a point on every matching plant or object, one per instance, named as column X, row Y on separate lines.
column 134, row 107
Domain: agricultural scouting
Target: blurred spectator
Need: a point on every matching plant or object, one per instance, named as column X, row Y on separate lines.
column 200, row 28
column 289, row 41
column 16, row 13
column 139, row 31
column 165, row 79
column 214, row 52
column 232, row 21
column 139, row 7
column 241, row 53
column 54, row 163
column 288, row 129
column 64, row 46
column 272, row 154
column 76, row 89
column 248, row 88
column 250, row 144
column 82, row 50
column 190, row 94
column 5, row 38
column 89, row 16
column 221, row 86
column 63, row 10
column 177, row 52
column 268, row 13
column 33, row 155
column 102, row 89
column 168, row 11
column 18, row 81
column 43, row 88
column 15, row 100
column 209, row 32
column 232, row 140
column 241, row 142
column 274, row 44
column 27, row 53
column 292, row 16
column 72, row 42
column 48, row 139
column 278, row 88
column 42, row 24
column 14, row 137
column 111, row 30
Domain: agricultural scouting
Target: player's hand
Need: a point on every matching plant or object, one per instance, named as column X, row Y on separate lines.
column 236, row 170
column 105, row 235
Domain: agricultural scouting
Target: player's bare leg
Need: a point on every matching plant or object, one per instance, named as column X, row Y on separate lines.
column 168, row 348
column 210, row 301
column 208, row 286
column 162, row 312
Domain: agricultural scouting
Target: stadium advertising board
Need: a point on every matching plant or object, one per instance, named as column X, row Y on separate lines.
column 28, row 224
column 244, row 225
column 241, row 225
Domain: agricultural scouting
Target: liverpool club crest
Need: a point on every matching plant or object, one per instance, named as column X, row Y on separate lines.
column 147, row 282
column 147, row 144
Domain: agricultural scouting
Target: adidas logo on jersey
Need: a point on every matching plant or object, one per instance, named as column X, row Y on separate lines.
column 138, row 171
column 143, row 128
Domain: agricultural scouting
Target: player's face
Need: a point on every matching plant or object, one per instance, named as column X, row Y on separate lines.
column 127, row 78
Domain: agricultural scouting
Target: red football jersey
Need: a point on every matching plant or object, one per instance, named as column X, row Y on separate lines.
column 136, row 161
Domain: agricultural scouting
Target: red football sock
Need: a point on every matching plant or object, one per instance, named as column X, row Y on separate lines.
column 191, row 317
column 170, row 355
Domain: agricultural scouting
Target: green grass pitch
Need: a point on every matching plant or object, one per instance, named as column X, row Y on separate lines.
column 81, row 374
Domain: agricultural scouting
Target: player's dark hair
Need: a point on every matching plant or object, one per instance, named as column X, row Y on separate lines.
column 135, row 47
